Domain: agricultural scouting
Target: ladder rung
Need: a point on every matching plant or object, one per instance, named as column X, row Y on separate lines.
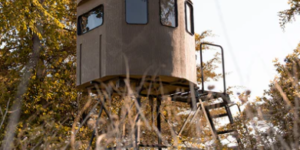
column 183, row 99
column 226, row 131
column 218, row 105
column 234, row 148
column 220, row 115
column 153, row 146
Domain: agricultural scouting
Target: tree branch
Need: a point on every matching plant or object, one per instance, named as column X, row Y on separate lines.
column 4, row 116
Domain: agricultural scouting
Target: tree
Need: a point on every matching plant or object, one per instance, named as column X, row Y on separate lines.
column 274, row 118
column 37, row 74
column 283, row 104
column 288, row 15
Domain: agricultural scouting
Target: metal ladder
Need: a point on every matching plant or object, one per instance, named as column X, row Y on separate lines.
column 206, row 110
column 202, row 97
column 226, row 102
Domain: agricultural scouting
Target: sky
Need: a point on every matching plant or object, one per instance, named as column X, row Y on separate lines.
column 251, row 36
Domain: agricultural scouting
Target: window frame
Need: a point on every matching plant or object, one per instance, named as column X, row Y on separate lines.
column 79, row 31
column 137, row 23
column 176, row 13
column 189, row 4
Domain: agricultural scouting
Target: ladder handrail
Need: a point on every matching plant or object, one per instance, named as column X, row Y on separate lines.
column 235, row 104
column 223, row 64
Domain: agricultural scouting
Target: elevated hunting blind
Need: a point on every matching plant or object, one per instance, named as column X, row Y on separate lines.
column 147, row 46
column 151, row 39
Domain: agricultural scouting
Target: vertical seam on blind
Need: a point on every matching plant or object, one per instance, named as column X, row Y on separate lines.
column 100, row 55
column 80, row 64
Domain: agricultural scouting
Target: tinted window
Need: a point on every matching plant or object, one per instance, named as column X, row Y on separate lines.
column 91, row 20
column 189, row 18
column 168, row 13
column 137, row 11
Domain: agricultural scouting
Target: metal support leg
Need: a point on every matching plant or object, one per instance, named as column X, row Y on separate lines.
column 94, row 132
column 137, row 124
column 123, row 120
column 151, row 110
column 159, row 121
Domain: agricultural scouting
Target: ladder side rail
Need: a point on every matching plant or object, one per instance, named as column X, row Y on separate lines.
column 227, row 108
column 239, row 108
column 208, row 118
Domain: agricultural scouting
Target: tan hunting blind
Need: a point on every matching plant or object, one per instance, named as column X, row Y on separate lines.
column 150, row 43
column 151, row 39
